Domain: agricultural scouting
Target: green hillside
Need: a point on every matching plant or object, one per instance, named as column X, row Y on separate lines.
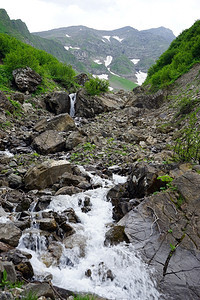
column 182, row 54
column 19, row 30
column 15, row 54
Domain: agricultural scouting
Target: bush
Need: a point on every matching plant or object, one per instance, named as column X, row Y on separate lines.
column 96, row 86
column 187, row 148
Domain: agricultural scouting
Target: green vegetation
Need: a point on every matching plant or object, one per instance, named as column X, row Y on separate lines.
column 182, row 54
column 122, row 65
column 96, row 86
column 8, row 284
column 15, row 54
column 122, row 82
column 167, row 180
column 187, row 146
column 86, row 297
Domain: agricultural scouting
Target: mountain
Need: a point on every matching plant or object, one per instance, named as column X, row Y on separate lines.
column 19, row 30
column 124, row 52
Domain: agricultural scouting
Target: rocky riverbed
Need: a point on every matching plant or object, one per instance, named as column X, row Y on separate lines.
column 126, row 134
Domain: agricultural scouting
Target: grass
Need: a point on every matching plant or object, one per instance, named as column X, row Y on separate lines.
column 122, row 83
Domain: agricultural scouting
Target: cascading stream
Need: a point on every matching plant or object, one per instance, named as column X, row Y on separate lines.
column 114, row 272
column 72, row 104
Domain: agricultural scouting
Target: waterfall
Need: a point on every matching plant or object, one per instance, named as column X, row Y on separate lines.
column 72, row 104
column 115, row 272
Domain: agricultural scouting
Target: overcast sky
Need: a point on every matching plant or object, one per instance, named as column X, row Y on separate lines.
column 40, row 15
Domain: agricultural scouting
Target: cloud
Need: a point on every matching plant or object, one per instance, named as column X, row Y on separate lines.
column 42, row 15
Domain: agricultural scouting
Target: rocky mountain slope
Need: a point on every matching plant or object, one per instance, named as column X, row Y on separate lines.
column 125, row 133
column 124, row 52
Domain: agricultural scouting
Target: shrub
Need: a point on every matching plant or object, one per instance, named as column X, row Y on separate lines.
column 187, row 147
column 96, row 86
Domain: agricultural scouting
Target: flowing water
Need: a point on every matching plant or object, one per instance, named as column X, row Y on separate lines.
column 115, row 272
column 72, row 104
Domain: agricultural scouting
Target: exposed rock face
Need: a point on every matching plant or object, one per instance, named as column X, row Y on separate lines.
column 148, row 101
column 46, row 174
column 165, row 229
column 5, row 103
column 26, row 79
column 10, row 234
column 62, row 122
column 58, row 102
column 88, row 106
column 50, row 141
column 81, row 78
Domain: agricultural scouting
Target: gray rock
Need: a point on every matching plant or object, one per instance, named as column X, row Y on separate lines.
column 40, row 289
column 15, row 181
column 88, row 106
column 50, row 141
column 26, row 79
column 10, row 234
column 46, row 174
column 62, row 122
column 74, row 139
column 58, row 103
column 115, row 236
column 164, row 228
column 10, row 270
column 47, row 224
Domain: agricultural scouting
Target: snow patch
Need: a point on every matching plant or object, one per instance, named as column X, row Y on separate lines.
column 102, row 76
column 97, row 61
column 108, row 60
column 141, row 76
column 113, row 72
column 106, row 37
column 117, row 38
column 70, row 47
column 68, row 35
column 135, row 60
column 110, row 88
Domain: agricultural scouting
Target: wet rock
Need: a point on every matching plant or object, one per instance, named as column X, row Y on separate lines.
column 68, row 190
column 70, row 179
column 58, row 102
column 115, row 236
column 43, row 203
column 10, row 234
column 40, row 289
column 53, row 254
column 77, row 242
column 26, row 79
column 25, row 268
column 164, row 228
column 4, row 247
column 47, row 224
column 46, row 174
column 50, row 141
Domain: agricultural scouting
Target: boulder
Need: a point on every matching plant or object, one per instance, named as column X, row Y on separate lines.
column 47, row 224
column 5, row 104
column 50, row 141
column 115, row 236
column 58, row 102
column 26, row 79
column 46, row 174
column 74, row 139
column 88, row 106
column 10, row 270
column 40, row 289
column 62, row 122
column 15, row 181
column 10, row 234
column 81, row 78
column 70, row 179
column 165, row 229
